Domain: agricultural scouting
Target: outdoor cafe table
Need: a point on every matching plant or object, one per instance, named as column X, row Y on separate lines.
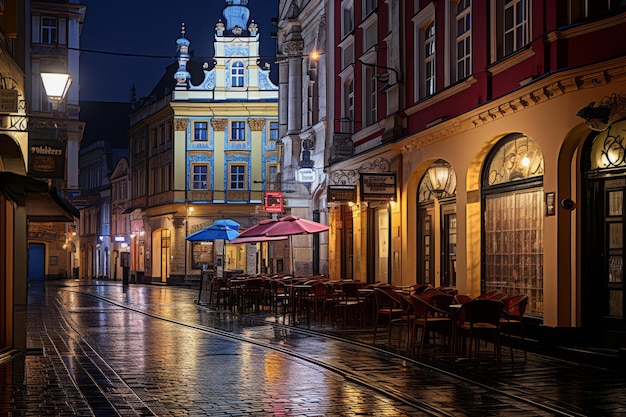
column 235, row 286
column 298, row 293
column 367, row 294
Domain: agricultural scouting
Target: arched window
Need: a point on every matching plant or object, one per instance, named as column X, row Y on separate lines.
column 237, row 74
column 513, row 212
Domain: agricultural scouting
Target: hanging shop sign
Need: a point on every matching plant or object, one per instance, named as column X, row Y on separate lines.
column 306, row 175
column 378, row 187
column 8, row 101
column 338, row 193
column 46, row 159
column 274, row 201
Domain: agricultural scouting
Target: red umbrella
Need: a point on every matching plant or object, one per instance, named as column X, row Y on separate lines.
column 285, row 226
column 274, row 229
column 294, row 225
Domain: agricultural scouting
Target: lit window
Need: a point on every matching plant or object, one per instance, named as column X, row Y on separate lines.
column 238, row 131
column 237, row 74
column 237, row 177
column 200, row 175
column 200, row 130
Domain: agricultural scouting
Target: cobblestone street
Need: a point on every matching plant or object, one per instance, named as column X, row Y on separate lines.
column 99, row 349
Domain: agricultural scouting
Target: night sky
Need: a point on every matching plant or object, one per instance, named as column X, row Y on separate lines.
column 148, row 30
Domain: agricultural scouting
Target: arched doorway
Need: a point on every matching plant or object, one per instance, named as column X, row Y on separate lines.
column 436, row 201
column 604, row 174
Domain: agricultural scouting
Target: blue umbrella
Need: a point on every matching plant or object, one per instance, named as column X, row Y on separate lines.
column 228, row 223
column 213, row 232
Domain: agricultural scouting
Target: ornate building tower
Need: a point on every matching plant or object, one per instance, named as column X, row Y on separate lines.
column 211, row 153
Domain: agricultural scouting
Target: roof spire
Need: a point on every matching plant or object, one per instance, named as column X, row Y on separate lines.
column 182, row 75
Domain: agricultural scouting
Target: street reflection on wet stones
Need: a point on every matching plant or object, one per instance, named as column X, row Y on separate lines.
column 150, row 350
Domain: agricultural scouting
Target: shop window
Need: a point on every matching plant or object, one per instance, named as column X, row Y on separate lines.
column 513, row 206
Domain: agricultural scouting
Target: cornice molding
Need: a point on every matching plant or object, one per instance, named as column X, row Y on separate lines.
column 539, row 92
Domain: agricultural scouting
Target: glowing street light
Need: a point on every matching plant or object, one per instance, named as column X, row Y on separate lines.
column 56, row 85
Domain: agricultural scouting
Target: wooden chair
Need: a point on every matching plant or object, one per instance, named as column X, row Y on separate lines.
column 513, row 315
column 489, row 294
column 388, row 305
column 430, row 318
column 462, row 299
column 348, row 300
column 419, row 289
column 479, row 318
column 280, row 296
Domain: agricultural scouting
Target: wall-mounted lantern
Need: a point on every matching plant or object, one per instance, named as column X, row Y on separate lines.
column 56, row 84
column 439, row 175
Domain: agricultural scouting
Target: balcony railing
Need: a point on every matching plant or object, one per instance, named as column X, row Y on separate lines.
column 212, row 196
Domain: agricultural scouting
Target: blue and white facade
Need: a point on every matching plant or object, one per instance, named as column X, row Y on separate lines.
column 208, row 150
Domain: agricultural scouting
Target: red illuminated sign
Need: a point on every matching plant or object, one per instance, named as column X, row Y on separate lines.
column 274, row 201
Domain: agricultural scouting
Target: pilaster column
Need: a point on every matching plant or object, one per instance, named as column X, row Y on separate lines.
column 219, row 143
column 179, row 165
column 256, row 145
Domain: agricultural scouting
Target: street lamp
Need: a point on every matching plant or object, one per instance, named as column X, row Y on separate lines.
column 57, row 85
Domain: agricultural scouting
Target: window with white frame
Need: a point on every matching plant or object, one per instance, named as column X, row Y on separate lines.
column 237, row 74
column 462, row 49
column 370, row 95
column 368, row 7
column 348, row 106
column 200, row 176
column 237, row 177
column 429, row 60
column 238, row 131
column 49, row 30
column 424, row 57
column 200, row 131
column 347, row 17
column 512, row 26
column 347, row 54
column 370, row 33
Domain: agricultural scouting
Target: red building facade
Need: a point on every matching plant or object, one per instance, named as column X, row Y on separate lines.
column 466, row 131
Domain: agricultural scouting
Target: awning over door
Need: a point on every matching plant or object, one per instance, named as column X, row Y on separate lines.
column 43, row 203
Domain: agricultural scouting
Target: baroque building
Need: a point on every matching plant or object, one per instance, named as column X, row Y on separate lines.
column 203, row 147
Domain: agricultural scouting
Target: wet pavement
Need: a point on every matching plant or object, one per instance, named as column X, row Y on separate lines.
column 99, row 349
